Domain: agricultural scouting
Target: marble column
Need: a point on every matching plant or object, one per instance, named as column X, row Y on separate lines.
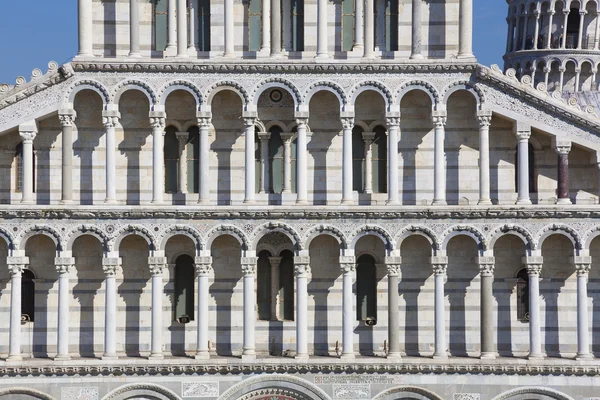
column 249, row 196
column 393, row 125
column 182, row 32
column 172, row 27
column 302, row 272
column 486, row 272
column 536, row 33
column 523, row 134
column 524, row 37
column 439, row 265
column 439, row 167
column 204, row 164
column 509, row 36
column 368, row 137
column 110, row 266
column 134, row 29
column 485, row 120
column 63, row 267
column 67, row 120
column 28, row 133
column 347, row 124
column 563, row 147
column 580, row 37
column 561, row 85
column 16, row 265
column 249, row 272
column 85, row 25
column 358, row 25
column 348, row 266
column 265, row 170
column 301, row 162
column 546, row 75
column 322, row 39
column 369, row 32
column 534, row 268
column 583, row 266
column 182, row 139
column 203, row 271
column 275, row 28
column 229, row 27
column 265, row 45
column 465, row 40
column 157, row 122
column 157, row 266
column 275, row 262
column 597, row 32
column 192, row 24
column 110, row 119
column 393, row 265
column 417, row 24
column 287, row 161
column 563, row 44
column 549, row 38
column 577, row 79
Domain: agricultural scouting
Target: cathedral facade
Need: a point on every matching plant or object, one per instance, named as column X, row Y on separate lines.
column 316, row 200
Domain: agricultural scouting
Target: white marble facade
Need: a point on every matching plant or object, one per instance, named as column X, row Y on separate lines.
column 272, row 174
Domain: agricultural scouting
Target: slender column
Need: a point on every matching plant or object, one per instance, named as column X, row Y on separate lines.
column 417, row 23
column 536, row 34
column 562, row 78
column 193, row 30
column 348, row 266
column 580, row 37
column 486, row 272
column 393, row 125
column 509, row 36
column 203, row 271
column 517, row 32
column 485, row 120
column 286, row 26
column 266, row 26
column 204, row 167
column 275, row 262
column 322, row 41
column 84, row 11
column 157, row 122
column 583, row 266
column 369, row 29
column 182, row 32
column 549, row 38
column 347, row 124
column 523, row 134
column 182, row 138
column 563, row 147
column 172, row 27
column 597, row 32
column 16, row 265
column 302, row 272
column 110, row 119
column 249, row 271
column 265, row 170
column 358, row 25
column 546, row 76
column 524, row 37
column 28, row 133
column 577, row 78
column 157, row 266
column 275, row 27
column 249, row 166
column 110, row 267
column 466, row 29
column 287, row 162
column 439, row 265
column 393, row 270
column 439, row 174
column 63, row 267
column 534, row 267
column 301, row 162
column 134, row 29
column 67, row 119
column 368, row 137
column 563, row 44
column 229, row 48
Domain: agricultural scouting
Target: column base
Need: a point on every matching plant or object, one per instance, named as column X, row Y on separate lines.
column 286, row 191
column 157, row 202
column 324, row 56
column 156, row 356
column 485, row 202
column 392, row 203
column 347, row 356
column 488, row 355
column 358, row 47
column 394, row 356
column 202, row 355
column 539, row 356
column 135, row 55
column 440, row 356
column 63, row 202
column 584, row 357
column 564, row 201
column 62, row 357
column 110, row 357
column 439, row 202
column 228, row 55
column 248, row 357
column 110, row 201
column 204, row 202
column 347, row 202
column 523, row 202
column 170, row 50
column 301, row 357
column 302, row 202
column 465, row 55
column 27, row 201
column 417, row 56
column 14, row 358
column 247, row 201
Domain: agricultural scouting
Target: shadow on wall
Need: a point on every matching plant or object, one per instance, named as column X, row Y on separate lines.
column 110, row 28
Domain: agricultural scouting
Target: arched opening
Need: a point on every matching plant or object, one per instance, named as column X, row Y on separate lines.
column 191, row 154
column 573, row 26
column 160, row 24
column 19, row 169
column 286, row 286
column 171, row 160
column 348, row 16
column 366, row 289
column 27, row 296
column 379, row 160
column 523, row 295
column 203, row 25
column 254, row 22
column 276, row 160
column 183, row 308
column 358, row 160
column 263, row 286
column 297, row 25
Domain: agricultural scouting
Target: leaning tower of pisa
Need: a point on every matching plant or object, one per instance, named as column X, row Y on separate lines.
column 555, row 42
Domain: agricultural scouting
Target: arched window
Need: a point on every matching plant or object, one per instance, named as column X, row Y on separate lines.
column 275, row 160
column 391, row 25
column 379, row 160
column 160, row 24
column 348, row 14
column 184, row 288
column 573, row 23
column 193, row 160
column 358, row 160
column 530, row 169
column 297, row 25
column 254, row 24
column 366, row 289
column 204, row 25
column 263, row 286
column 19, row 169
column 257, row 161
column 171, row 156
column 28, row 295
column 523, row 295
column 286, row 286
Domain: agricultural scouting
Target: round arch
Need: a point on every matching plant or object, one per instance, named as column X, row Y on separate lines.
column 269, row 384
column 515, row 230
column 86, row 230
column 418, row 230
column 422, row 86
column 25, row 391
column 280, row 84
column 8, row 239
column 87, row 84
column 271, row 124
column 37, row 230
column 227, row 230
column 328, row 230
column 269, row 227
column 184, row 230
column 470, row 231
column 228, row 85
column 374, row 86
column 328, row 87
column 560, row 229
column 373, row 230
column 134, row 84
column 150, row 390
column 128, row 230
column 465, row 86
column 413, row 391
column 519, row 392
column 186, row 86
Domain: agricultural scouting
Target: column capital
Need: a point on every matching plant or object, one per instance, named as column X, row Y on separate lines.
column 16, row 265
column 486, row 265
column 484, row 118
column 368, row 136
column 157, row 265
column 562, row 146
column 262, row 136
column 439, row 264
column 393, row 265
column 249, row 265
column 249, row 121
column 523, row 135
column 110, row 265
column 347, row 122
column 27, row 136
column 157, row 119
column 67, row 116
column 64, row 264
column 583, row 264
column 203, row 265
column 287, row 137
column 392, row 120
column 203, row 122
column 275, row 261
column 302, row 120
column 347, row 264
column 533, row 264
column 182, row 136
column 301, row 270
column 439, row 120
column 110, row 118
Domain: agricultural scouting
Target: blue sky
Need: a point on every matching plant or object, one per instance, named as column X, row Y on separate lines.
column 37, row 31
